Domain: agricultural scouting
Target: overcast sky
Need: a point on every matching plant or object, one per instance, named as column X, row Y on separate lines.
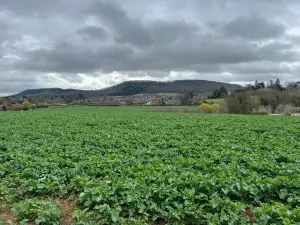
column 91, row 44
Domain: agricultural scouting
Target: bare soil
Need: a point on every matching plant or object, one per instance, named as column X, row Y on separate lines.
column 7, row 216
column 67, row 207
column 249, row 214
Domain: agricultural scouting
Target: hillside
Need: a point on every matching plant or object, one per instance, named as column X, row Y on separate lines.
column 179, row 86
column 44, row 91
column 139, row 87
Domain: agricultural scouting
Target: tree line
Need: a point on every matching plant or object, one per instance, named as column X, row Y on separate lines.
column 261, row 97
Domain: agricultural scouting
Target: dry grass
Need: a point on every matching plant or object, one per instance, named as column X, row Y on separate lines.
column 67, row 207
column 7, row 215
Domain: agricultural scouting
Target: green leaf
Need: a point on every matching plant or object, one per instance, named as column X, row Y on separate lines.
column 283, row 194
column 129, row 198
column 115, row 216
column 264, row 219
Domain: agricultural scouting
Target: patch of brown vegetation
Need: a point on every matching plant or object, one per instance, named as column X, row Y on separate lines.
column 67, row 207
column 7, row 216
column 177, row 110
column 250, row 215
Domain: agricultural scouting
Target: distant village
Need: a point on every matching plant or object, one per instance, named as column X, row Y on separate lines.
column 272, row 99
column 15, row 103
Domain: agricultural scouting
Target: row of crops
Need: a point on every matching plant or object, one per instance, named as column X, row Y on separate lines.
column 126, row 167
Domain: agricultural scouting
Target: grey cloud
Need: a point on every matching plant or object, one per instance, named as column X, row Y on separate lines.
column 13, row 81
column 44, row 9
column 133, row 31
column 279, row 52
column 129, row 30
column 260, row 68
column 12, row 87
column 33, row 7
column 164, row 32
column 65, row 37
column 198, row 54
column 252, row 27
column 66, row 58
column 92, row 32
column 4, row 31
column 161, row 45
column 8, row 78
column 3, row 26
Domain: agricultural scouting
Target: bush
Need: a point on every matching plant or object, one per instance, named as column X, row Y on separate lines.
column 15, row 107
column 253, row 100
column 241, row 103
column 41, row 212
column 209, row 108
column 26, row 105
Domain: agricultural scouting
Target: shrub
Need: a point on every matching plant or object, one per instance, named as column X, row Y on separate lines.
column 15, row 107
column 253, row 100
column 26, row 105
column 41, row 212
column 209, row 108
column 241, row 103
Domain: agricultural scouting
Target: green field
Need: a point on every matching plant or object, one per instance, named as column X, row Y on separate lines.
column 217, row 100
column 128, row 165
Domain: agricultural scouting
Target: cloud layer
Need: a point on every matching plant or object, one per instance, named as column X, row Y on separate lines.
column 65, row 43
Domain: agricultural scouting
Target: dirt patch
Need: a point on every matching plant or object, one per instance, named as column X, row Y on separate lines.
column 67, row 207
column 250, row 215
column 7, row 216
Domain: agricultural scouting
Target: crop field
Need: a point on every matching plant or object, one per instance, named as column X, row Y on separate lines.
column 127, row 165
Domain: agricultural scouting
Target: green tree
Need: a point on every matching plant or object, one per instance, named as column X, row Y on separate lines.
column 186, row 98
column 223, row 91
column 278, row 85
column 270, row 84
column 293, row 85
column 68, row 99
column 261, row 85
column 81, row 96
column 256, row 86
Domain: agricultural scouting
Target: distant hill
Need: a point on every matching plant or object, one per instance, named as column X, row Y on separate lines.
column 138, row 87
column 179, row 86
column 44, row 91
